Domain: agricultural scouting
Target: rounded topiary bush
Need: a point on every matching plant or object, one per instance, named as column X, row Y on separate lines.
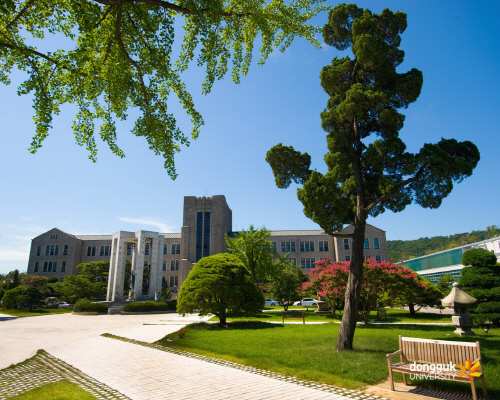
column 478, row 258
column 88, row 306
column 145, row 306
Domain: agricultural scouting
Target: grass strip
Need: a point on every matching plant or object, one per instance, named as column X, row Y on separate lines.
column 36, row 312
column 62, row 390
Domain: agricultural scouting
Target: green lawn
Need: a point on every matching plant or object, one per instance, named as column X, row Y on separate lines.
column 36, row 312
column 393, row 315
column 308, row 351
column 62, row 390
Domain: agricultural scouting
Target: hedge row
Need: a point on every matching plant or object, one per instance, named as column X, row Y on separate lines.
column 144, row 306
column 88, row 306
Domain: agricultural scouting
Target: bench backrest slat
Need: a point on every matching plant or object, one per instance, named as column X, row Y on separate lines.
column 438, row 351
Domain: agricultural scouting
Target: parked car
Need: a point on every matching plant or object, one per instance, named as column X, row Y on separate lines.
column 270, row 302
column 63, row 304
column 306, row 302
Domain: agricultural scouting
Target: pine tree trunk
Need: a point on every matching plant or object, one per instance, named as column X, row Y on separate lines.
column 411, row 306
column 353, row 290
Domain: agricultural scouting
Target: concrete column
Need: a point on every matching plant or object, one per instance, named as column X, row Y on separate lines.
column 112, row 268
column 132, row 271
column 139, row 264
column 117, row 267
column 155, row 269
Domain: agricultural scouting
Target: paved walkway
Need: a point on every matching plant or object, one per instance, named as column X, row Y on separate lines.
column 144, row 373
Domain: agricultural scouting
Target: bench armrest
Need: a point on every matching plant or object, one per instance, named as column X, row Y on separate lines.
column 389, row 356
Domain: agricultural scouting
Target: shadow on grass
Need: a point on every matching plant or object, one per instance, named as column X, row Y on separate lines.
column 237, row 325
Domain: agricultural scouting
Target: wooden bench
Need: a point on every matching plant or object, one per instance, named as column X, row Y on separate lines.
column 303, row 318
column 414, row 351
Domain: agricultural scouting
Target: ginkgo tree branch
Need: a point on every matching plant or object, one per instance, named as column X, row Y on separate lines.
column 20, row 14
column 166, row 5
column 127, row 56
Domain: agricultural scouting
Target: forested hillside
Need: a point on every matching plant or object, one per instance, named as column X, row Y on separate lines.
column 406, row 249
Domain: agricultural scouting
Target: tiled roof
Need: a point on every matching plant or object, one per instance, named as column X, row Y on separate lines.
column 94, row 237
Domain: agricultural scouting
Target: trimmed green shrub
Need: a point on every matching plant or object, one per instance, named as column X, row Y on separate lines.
column 88, row 306
column 145, row 306
column 172, row 304
column 481, row 279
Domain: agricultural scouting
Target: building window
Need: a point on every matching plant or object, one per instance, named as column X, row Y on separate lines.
column 57, row 250
column 37, row 264
column 146, row 250
column 176, row 249
column 65, row 250
column 375, row 243
column 53, row 235
column 307, row 262
column 39, row 250
column 63, row 266
column 293, row 261
column 378, row 259
column 165, row 247
column 91, row 251
column 45, row 266
column 346, row 245
column 323, row 245
column 282, row 247
column 348, row 258
column 105, row 251
column 367, row 243
column 274, row 246
column 55, row 267
column 174, row 281
column 164, row 265
column 306, row 246
column 50, row 266
column 146, row 263
column 47, row 250
column 174, row 265
column 129, row 249
column 206, row 236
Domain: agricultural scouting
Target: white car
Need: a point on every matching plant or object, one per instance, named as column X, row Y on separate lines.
column 306, row 302
column 63, row 304
column 270, row 302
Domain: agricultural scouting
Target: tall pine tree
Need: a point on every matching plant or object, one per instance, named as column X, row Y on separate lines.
column 368, row 175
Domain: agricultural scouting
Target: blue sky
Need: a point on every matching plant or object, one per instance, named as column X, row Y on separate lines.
column 455, row 44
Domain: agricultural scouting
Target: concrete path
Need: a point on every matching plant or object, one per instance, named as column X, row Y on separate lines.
column 140, row 372
column 22, row 337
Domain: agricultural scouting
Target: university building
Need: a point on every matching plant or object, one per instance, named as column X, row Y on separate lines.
column 206, row 221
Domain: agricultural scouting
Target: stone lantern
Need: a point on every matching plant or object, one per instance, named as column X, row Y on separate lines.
column 460, row 301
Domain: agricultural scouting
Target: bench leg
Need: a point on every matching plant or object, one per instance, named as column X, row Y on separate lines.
column 390, row 375
column 485, row 393
column 404, row 380
column 473, row 386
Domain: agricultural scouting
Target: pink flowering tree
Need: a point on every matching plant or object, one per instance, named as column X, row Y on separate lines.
column 329, row 280
column 418, row 291
column 382, row 281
